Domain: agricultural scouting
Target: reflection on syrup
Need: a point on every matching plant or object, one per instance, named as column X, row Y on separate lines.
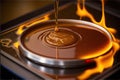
column 60, row 38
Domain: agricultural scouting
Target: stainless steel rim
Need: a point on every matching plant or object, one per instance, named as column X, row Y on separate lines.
column 58, row 62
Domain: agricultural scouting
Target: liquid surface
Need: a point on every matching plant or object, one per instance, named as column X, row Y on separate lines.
column 61, row 38
column 87, row 42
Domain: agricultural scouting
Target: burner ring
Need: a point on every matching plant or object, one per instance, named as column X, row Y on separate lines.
column 62, row 63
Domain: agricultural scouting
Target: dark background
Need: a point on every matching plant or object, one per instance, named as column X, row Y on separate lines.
column 11, row 9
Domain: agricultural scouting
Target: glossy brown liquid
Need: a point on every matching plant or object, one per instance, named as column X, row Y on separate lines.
column 88, row 42
column 60, row 38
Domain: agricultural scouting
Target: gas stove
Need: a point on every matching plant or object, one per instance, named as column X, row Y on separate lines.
column 13, row 60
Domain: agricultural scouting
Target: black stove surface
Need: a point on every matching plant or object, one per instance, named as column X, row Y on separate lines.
column 12, row 59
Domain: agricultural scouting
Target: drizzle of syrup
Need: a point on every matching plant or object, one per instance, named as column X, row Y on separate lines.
column 56, row 15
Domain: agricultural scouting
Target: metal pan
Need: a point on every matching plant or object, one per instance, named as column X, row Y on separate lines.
column 61, row 63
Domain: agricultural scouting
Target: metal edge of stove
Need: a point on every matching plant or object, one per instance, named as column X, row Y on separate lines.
column 19, row 68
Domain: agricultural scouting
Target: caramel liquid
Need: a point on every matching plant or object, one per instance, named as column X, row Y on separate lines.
column 91, row 42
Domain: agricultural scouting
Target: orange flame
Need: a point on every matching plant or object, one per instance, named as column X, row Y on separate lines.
column 107, row 60
column 82, row 12
column 102, row 62
column 21, row 28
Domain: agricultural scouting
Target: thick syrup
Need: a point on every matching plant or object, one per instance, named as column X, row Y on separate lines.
column 88, row 41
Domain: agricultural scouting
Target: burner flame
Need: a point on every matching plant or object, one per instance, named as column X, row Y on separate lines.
column 82, row 12
column 106, row 60
column 28, row 24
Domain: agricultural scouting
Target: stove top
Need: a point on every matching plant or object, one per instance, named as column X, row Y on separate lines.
column 27, row 69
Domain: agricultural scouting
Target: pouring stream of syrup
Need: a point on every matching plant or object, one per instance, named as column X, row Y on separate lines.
column 56, row 14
